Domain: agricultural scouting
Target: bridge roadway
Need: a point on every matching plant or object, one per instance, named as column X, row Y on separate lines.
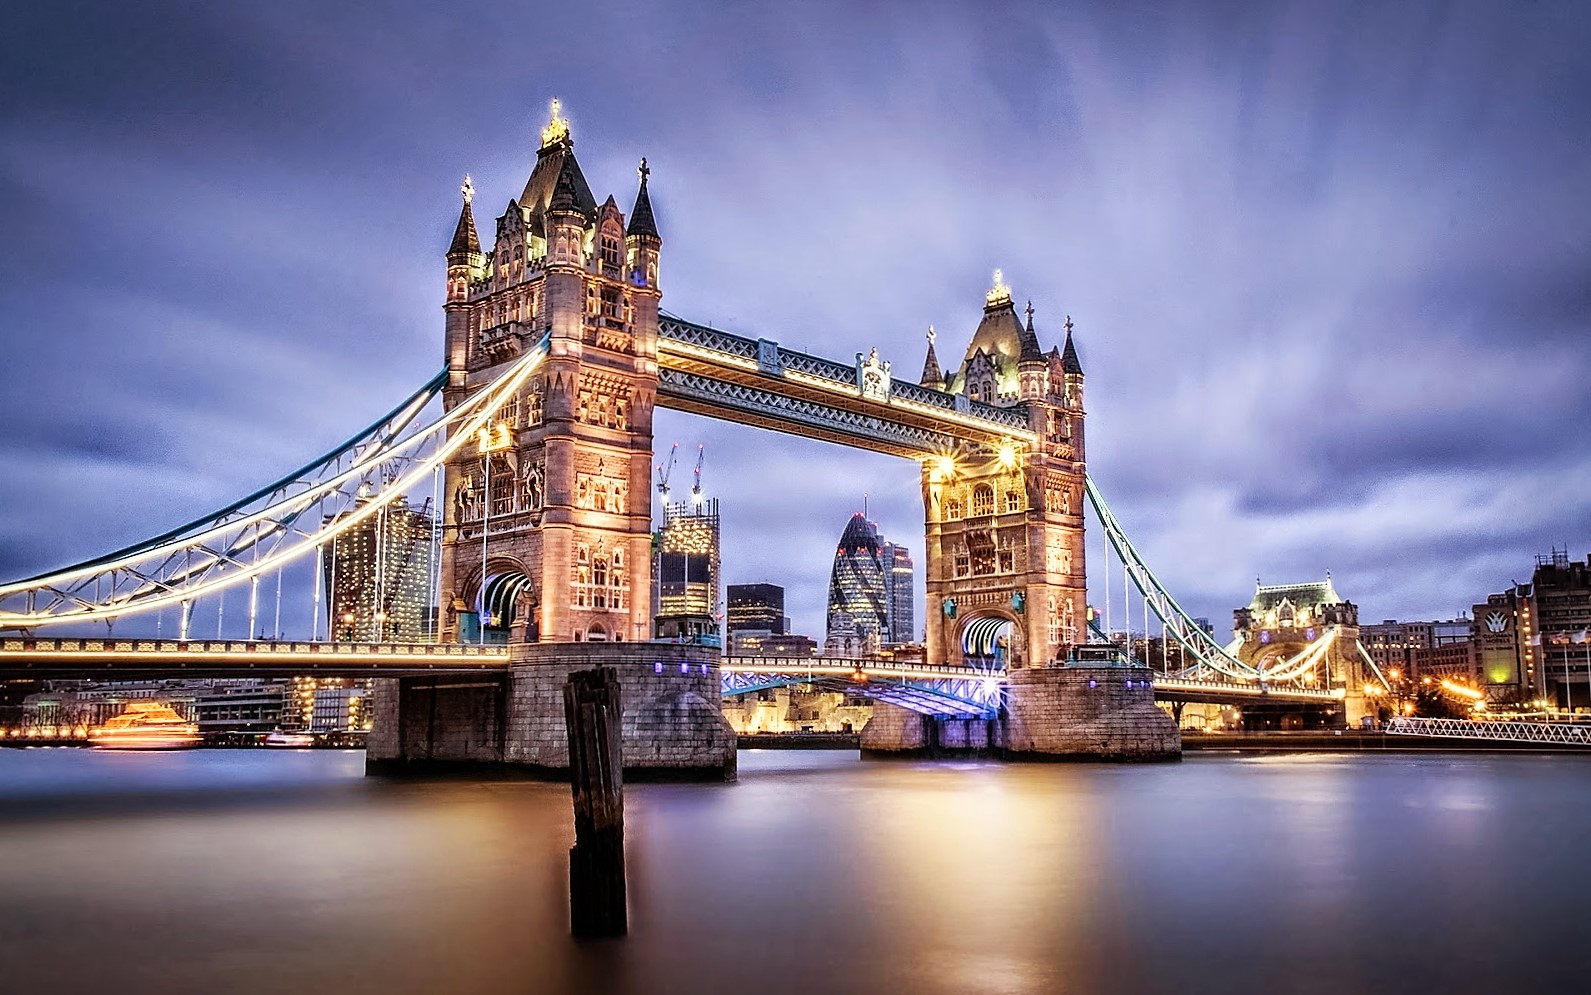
column 926, row 684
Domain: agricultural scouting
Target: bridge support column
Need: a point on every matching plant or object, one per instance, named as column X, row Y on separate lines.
column 894, row 731
column 1087, row 713
column 673, row 725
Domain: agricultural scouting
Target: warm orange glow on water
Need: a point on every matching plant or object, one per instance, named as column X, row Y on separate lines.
column 146, row 725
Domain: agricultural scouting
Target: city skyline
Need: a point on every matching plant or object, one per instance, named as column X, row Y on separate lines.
column 1368, row 290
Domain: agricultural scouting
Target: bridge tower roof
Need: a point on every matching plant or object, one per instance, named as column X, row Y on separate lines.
column 556, row 174
column 1268, row 596
column 1000, row 334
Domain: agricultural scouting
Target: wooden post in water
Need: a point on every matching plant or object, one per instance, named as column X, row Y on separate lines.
column 596, row 770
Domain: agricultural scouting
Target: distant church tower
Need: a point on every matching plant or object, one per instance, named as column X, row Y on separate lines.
column 1004, row 556
column 558, row 541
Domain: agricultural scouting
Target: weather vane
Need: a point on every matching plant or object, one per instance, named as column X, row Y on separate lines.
column 999, row 293
column 558, row 128
column 931, row 334
column 468, row 189
column 642, row 170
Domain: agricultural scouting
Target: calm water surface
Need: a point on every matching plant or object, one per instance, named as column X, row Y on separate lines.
column 272, row 872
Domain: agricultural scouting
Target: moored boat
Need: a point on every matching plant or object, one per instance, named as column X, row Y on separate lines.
column 289, row 739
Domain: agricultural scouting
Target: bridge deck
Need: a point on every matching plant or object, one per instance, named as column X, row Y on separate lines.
column 24, row 657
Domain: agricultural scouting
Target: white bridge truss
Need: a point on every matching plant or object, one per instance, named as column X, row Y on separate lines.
column 293, row 517
column 1212, row 661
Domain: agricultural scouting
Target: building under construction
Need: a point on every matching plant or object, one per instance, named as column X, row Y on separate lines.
column 378, row 577
column 685, row 571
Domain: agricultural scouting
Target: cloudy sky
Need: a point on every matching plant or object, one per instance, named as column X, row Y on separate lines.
column 1330, row 264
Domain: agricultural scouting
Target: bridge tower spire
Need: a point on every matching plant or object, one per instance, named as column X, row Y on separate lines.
column 1004, row 554
column 548, row 519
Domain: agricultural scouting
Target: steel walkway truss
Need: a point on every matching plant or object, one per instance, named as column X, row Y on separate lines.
column 758, row 382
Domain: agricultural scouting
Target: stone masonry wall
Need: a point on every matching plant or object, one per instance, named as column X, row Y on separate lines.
column 898, row 731
column 673, row 725
column 893, row 729
column 421, row 720
column 382, row 741
column 1088, row 713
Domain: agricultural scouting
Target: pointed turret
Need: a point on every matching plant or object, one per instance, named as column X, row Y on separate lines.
column 564, row 195
column 465, row 240
column 1031, row 353
column 933, row 376
column 1069, row 360
column 644, row 244
column 641, row 220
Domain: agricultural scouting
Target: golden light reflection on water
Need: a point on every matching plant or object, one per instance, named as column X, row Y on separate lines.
column 814, row 874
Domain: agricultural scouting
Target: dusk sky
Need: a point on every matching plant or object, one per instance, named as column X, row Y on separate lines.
column 1329, row 264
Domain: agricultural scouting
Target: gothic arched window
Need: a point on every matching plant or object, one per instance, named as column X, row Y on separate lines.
column 982, row 500
column 1013, row 501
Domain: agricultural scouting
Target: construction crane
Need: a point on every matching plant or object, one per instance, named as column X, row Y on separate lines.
column 696, row 488
column 664, row 472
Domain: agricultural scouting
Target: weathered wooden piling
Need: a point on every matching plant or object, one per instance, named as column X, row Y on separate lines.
column 592, row 713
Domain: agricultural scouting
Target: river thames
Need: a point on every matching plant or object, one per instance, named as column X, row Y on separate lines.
column 269, row 872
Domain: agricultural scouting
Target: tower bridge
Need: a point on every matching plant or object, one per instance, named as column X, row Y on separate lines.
column 556, row 354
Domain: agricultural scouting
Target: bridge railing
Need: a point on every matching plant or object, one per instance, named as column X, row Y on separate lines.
column 1501, row 730
column 34, row 647
column 853, row 665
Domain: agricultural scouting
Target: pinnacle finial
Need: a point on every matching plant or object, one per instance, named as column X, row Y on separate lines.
column 999, row 293
column 558, row 128
column 1030, row 312
column 643, row 170
column 931, row 334
column 468, row 189
column 1068, row 324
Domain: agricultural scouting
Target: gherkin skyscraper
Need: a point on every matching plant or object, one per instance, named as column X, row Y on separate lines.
column 857, row 598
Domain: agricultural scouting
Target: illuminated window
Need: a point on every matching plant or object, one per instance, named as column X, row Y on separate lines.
column 582, row 576
column 612, row 250
column 982, row 500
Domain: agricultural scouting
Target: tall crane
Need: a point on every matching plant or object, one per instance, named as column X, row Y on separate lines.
column 696, row 488
column 664, row 472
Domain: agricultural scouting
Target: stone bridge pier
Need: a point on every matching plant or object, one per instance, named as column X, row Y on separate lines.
column 673, row 726
column 1071, row 712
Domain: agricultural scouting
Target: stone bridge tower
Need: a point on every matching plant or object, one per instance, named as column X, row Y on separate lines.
column 1004, row 530
column 547, row 516
column 1286, row 622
